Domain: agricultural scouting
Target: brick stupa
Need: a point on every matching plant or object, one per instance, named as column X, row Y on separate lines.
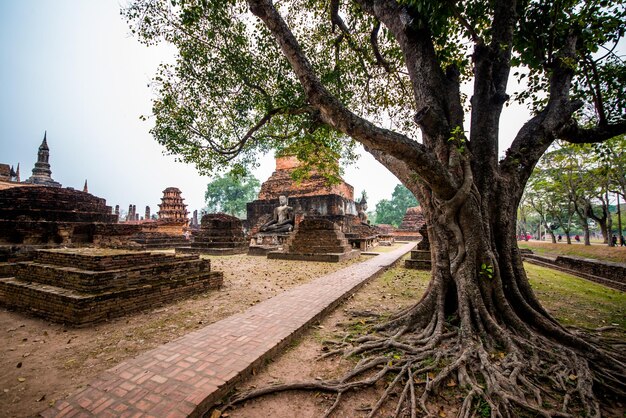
column 316, row 239
column 310, row 196
column 411, row 224
column 169, row 229
column 42, row 174
column 219, row 234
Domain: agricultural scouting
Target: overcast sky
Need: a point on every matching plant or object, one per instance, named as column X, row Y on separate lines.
column 70, row 67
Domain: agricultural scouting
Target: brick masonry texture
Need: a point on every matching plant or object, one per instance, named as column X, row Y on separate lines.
column 84, row 286
column 187, row 376
column 219, row 234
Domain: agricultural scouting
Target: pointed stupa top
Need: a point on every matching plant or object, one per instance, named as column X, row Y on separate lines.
column 85, row 188
column 41, row 172
column 44, row 143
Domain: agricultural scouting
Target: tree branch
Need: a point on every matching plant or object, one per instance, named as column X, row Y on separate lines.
column 577, row 135
column 335, row 114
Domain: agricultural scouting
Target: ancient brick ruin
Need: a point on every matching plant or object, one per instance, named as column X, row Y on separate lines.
column 83, row 286
column 420, row 256
column 40, row 215
column 219, row 234
column 411, row 224
column 172, row 206
column 316, row 239
column 42, row 175
column 310, row 196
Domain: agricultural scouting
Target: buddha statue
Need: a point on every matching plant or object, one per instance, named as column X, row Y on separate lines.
column 282, row 219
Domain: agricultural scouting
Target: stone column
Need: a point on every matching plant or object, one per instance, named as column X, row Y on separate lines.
column 147, row 215
column 129, row 215
column 195, row 217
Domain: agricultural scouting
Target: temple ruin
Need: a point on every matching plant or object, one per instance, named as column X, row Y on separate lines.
column 316, row 239
column 84, row 286
column 219, row 234
column 311, row 197
column 42, row 174
column 411, row 223
column 420, row 256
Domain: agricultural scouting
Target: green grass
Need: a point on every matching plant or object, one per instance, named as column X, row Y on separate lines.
column 578, row 302
column 596, row 251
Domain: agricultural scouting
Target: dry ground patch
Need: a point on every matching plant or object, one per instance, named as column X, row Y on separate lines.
column 574, row 301
column 42, row 362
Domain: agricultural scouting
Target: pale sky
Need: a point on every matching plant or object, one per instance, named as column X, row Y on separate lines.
column 71, row 67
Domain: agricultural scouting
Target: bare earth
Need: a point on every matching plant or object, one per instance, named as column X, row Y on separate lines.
column 42, row 362
column 384, row 295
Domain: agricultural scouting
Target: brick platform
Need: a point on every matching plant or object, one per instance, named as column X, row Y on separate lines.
column 187, row 376
column 84, row 286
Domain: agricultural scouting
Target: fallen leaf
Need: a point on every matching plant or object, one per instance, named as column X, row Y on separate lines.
column 41, row 398
column 451, row 384
column 19, row 365
column 572, row 377
column 21, row 379
column 25, row 355
column 216, row 413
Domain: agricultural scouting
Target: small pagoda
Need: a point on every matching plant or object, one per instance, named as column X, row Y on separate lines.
column 172, row 207
column 42, row 175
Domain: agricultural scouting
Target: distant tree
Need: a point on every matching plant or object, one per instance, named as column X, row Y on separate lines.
column 230, row 193
column 392, row 211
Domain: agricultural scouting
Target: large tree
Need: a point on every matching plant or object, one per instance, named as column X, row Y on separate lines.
column 392, row 211
column 230, row 193
column 313, row 77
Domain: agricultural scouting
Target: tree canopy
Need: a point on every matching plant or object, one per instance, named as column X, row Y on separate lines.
column 230, row 193
column 392, row 211
column 314, row 77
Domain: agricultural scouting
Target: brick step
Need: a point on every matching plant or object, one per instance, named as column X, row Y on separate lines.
column 99, row 281
column 219, row 242
column 51, row 215
column 68, row 306
column 93, row 261
column 418, row 264
column 318, row 249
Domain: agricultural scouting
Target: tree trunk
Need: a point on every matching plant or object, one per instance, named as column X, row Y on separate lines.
column 586, row 234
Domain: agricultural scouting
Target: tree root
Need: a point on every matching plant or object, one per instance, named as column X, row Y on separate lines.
column 533, row 374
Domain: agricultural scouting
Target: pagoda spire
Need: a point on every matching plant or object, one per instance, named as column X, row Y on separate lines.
column 41, row 172
column 17, row 173
column 85, row 188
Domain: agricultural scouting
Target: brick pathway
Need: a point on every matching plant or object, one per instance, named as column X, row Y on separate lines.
column 187, row 376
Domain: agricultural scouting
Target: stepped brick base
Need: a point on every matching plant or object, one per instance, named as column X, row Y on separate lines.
column 154, row 241
column 316, row 239
column 220, row 234
column 84, row 286
column 326, row 257
column 420, row 260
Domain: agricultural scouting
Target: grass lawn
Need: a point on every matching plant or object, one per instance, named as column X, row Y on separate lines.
column 597, row 251
column 578, row 302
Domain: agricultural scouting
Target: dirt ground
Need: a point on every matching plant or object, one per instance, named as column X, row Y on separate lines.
column 43, row 362
column 393, row 290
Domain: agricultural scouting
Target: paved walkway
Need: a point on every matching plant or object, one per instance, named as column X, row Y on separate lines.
column 187, row 376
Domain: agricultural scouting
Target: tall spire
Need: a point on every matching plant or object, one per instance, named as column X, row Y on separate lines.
column 41, row 172
column 85, row 188
column 17, row 173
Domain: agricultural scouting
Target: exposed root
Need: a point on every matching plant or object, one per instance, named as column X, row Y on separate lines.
column 536, row 374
